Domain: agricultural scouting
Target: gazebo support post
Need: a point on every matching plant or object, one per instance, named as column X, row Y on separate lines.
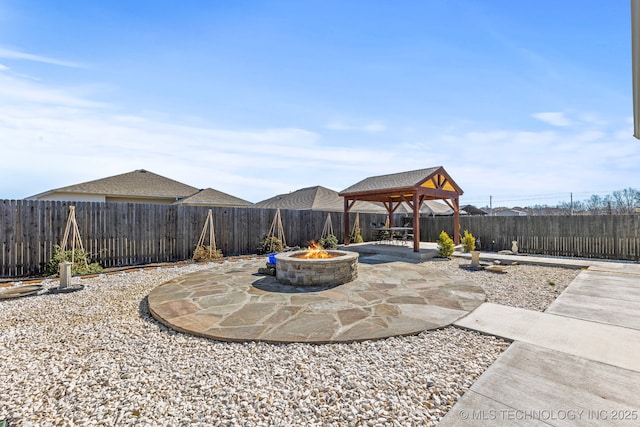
column 345, row 223
column 456, row 221
column 416, row 222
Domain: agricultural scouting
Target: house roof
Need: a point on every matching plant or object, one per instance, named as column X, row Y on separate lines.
column 316, row 198
column 508, row 212
column 320, row 198
column 472, row 210
column 428, row 207
column 139, row 183
column 210, row 196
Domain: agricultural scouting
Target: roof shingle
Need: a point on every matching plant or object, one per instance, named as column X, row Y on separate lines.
column 139, row 183
column 316, row 198
column 391, row 181
column 210, row 196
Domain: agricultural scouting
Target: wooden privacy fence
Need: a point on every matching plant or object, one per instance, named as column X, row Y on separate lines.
column 120, row 234
column 593, row 236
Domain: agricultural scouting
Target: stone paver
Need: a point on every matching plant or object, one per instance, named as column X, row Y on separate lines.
column 388, row 298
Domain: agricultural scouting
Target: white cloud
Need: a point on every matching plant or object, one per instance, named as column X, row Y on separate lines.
column 57, row 136
column 372, row 127
column 16, row 54
column 517, row 164
column 22, row 91
column 66, row 138
column 592, row 119
column 553, row 118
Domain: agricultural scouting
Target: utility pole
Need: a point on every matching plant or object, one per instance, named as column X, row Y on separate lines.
column 571, row 205
column 490, row 205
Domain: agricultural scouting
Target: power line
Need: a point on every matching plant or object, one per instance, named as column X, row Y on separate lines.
column 574, row 196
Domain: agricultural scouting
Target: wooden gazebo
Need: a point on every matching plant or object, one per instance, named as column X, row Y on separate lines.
column 413, row 188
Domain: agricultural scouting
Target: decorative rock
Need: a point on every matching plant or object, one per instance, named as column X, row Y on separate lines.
column 20, row 291
column 75, row 362
column 269, row 271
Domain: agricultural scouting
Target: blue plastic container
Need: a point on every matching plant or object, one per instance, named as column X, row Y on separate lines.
column 272, row 258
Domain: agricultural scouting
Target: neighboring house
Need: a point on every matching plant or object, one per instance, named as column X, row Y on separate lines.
column 140, row 186
column 509, row 212
column 472, row 210
column 211, row 197
column 316, row 198
column 320, row 198
column 428, row 208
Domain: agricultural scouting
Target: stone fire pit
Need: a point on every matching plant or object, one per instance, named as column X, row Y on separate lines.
column 292, row 268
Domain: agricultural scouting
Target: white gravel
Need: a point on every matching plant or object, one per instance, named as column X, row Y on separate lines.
column 525, row 286
column 95, row 357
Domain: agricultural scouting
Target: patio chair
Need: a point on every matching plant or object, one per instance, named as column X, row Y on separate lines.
column 407, row 238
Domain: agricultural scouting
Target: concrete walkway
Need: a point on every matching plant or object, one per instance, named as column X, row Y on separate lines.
column 599, row 342
column 576, row 364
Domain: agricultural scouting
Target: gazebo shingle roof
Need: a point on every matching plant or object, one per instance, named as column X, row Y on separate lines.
column 433, row 183
column 394, row 180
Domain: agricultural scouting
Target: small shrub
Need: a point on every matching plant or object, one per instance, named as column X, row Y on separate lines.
column 80, row 263
column 356, row 236
column 205, row 253
column 445, row 245
column 271, row 244
column 468, row 242
column 329, row 242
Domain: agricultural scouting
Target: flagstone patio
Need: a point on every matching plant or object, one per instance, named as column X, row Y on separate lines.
column 389, row 298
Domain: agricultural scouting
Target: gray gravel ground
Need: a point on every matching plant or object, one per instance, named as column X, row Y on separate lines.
column 95, row 357
column 524, row 286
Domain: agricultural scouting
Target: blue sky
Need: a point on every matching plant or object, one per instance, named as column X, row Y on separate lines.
column 525, row 101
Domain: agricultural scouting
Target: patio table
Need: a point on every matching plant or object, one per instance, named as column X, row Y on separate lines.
column 390, row 233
